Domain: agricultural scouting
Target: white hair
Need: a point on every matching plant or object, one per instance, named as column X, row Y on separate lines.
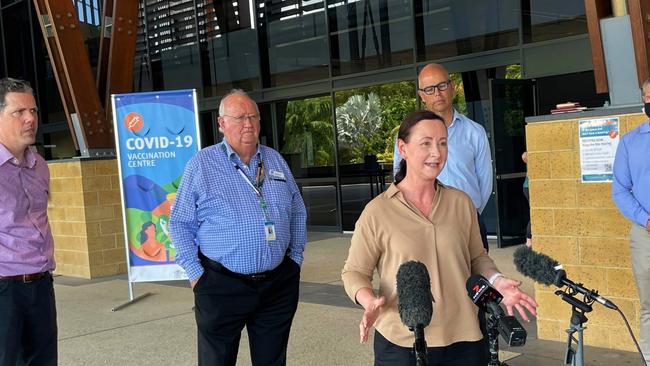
column 222, row 104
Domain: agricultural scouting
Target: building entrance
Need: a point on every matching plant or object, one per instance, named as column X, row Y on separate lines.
column 511, row 101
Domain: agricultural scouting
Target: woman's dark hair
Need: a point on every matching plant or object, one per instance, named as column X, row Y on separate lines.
column 404, row 134
column 142, row 235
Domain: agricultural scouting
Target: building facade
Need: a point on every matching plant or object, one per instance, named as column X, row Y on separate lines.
column 303, row 61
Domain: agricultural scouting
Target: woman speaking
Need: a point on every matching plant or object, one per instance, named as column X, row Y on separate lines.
column 420, row 219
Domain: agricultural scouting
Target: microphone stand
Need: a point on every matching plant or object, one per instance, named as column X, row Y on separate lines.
column 493, row 340
column 575, row 356
column 420, row 346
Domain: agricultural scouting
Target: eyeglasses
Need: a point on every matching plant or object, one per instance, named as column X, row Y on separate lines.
column 20, row 112
column 253, row 118
column 430, row 90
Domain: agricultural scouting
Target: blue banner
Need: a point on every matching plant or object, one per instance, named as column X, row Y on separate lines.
column 157, row 134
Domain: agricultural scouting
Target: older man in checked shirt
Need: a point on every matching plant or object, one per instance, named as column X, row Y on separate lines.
column 239, row 226
column 27, row 308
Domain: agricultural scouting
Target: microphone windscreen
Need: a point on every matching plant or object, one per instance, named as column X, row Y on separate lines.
column 414, row 299
column 537, row 266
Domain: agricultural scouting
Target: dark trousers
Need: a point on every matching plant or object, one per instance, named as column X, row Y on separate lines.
column 226, row 302
column 28, row 323
column 456, row 354
column 483, row 229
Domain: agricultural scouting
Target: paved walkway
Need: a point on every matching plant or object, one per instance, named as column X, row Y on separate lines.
column 160, row 330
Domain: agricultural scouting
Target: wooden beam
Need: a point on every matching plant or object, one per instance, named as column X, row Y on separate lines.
column 640, row 19
column 104, row 45
column 122, row 50
column 60, row 22
column 55, row 59
column 595, row 10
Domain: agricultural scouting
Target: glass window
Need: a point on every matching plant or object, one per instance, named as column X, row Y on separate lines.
column 58, row 145
column 552, row 19
column 167, row 51
column 369, row 34
column 230, row 53
column 177, row 68
column 88, row 11
column 293, row 41
column 446, row 28
column 210, row 134
column 306, row 138
column 15, row 22
column 367, row 121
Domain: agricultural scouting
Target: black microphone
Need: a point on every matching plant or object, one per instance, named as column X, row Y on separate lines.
column 547, row 271
column 488, row 298
column 415, row 304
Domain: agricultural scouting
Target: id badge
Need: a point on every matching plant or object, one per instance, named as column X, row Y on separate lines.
column 269, row 230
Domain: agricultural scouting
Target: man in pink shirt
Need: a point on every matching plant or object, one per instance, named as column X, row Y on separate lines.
column 28, row 331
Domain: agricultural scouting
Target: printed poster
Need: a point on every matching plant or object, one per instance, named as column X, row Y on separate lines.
column 157, row 134
column 598, row 142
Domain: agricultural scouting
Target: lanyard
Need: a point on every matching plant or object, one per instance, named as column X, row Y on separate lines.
column 257, row 188
column 259, row 178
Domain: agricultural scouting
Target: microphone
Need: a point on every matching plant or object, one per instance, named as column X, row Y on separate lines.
column 415, row 304
column 547, row 271
column 488, row 298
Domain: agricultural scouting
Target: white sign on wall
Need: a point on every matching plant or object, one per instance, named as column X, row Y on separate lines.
column 599, row 139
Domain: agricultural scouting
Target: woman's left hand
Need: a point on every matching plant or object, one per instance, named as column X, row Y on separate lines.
column 514, row 297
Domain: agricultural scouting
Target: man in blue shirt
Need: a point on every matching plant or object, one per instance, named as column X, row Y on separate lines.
column 239, row 226
column 631, row 193
column 469, row 162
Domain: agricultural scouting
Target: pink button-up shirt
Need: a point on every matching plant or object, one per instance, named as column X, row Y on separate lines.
column 26, row 244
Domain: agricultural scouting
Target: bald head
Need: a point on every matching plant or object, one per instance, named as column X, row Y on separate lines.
column 437, row 90
column 432, row 69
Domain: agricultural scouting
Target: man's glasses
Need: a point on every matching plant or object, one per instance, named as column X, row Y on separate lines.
column 430, row 90
column 253, row 118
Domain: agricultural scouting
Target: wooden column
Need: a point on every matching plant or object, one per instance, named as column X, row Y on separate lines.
column 121, row 50
column 640, row 19
column 596, row 10
column 84, row 111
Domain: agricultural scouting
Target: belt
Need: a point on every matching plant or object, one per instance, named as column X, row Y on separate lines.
column 218, row 267
column 26, row 278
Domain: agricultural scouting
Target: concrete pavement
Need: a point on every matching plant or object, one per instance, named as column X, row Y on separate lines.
column 160, row 329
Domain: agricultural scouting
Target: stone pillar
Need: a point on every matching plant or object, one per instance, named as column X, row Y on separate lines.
column 579, row 225
column 85, row 213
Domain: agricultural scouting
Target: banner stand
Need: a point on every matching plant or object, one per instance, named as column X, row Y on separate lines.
column 131, row 299
column 156, row 134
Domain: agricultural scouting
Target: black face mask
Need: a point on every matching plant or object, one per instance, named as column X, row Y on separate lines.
column 646, row 109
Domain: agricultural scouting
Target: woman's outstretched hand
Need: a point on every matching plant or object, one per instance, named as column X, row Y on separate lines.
column 372, row 307
column 514, row 297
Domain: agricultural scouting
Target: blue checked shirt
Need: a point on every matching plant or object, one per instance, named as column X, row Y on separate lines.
column 631, row 183
column 469, row 162
column 217, row 212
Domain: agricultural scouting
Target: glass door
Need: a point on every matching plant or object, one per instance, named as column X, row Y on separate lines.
column 512, row 101
column 367, row 121
column 305, row 135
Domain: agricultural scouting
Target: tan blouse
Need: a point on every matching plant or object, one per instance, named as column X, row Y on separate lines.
column 390, row 232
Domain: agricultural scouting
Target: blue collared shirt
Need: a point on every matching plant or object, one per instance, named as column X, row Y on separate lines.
column 469, row 162
column 218, row 212
column 631, row 185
